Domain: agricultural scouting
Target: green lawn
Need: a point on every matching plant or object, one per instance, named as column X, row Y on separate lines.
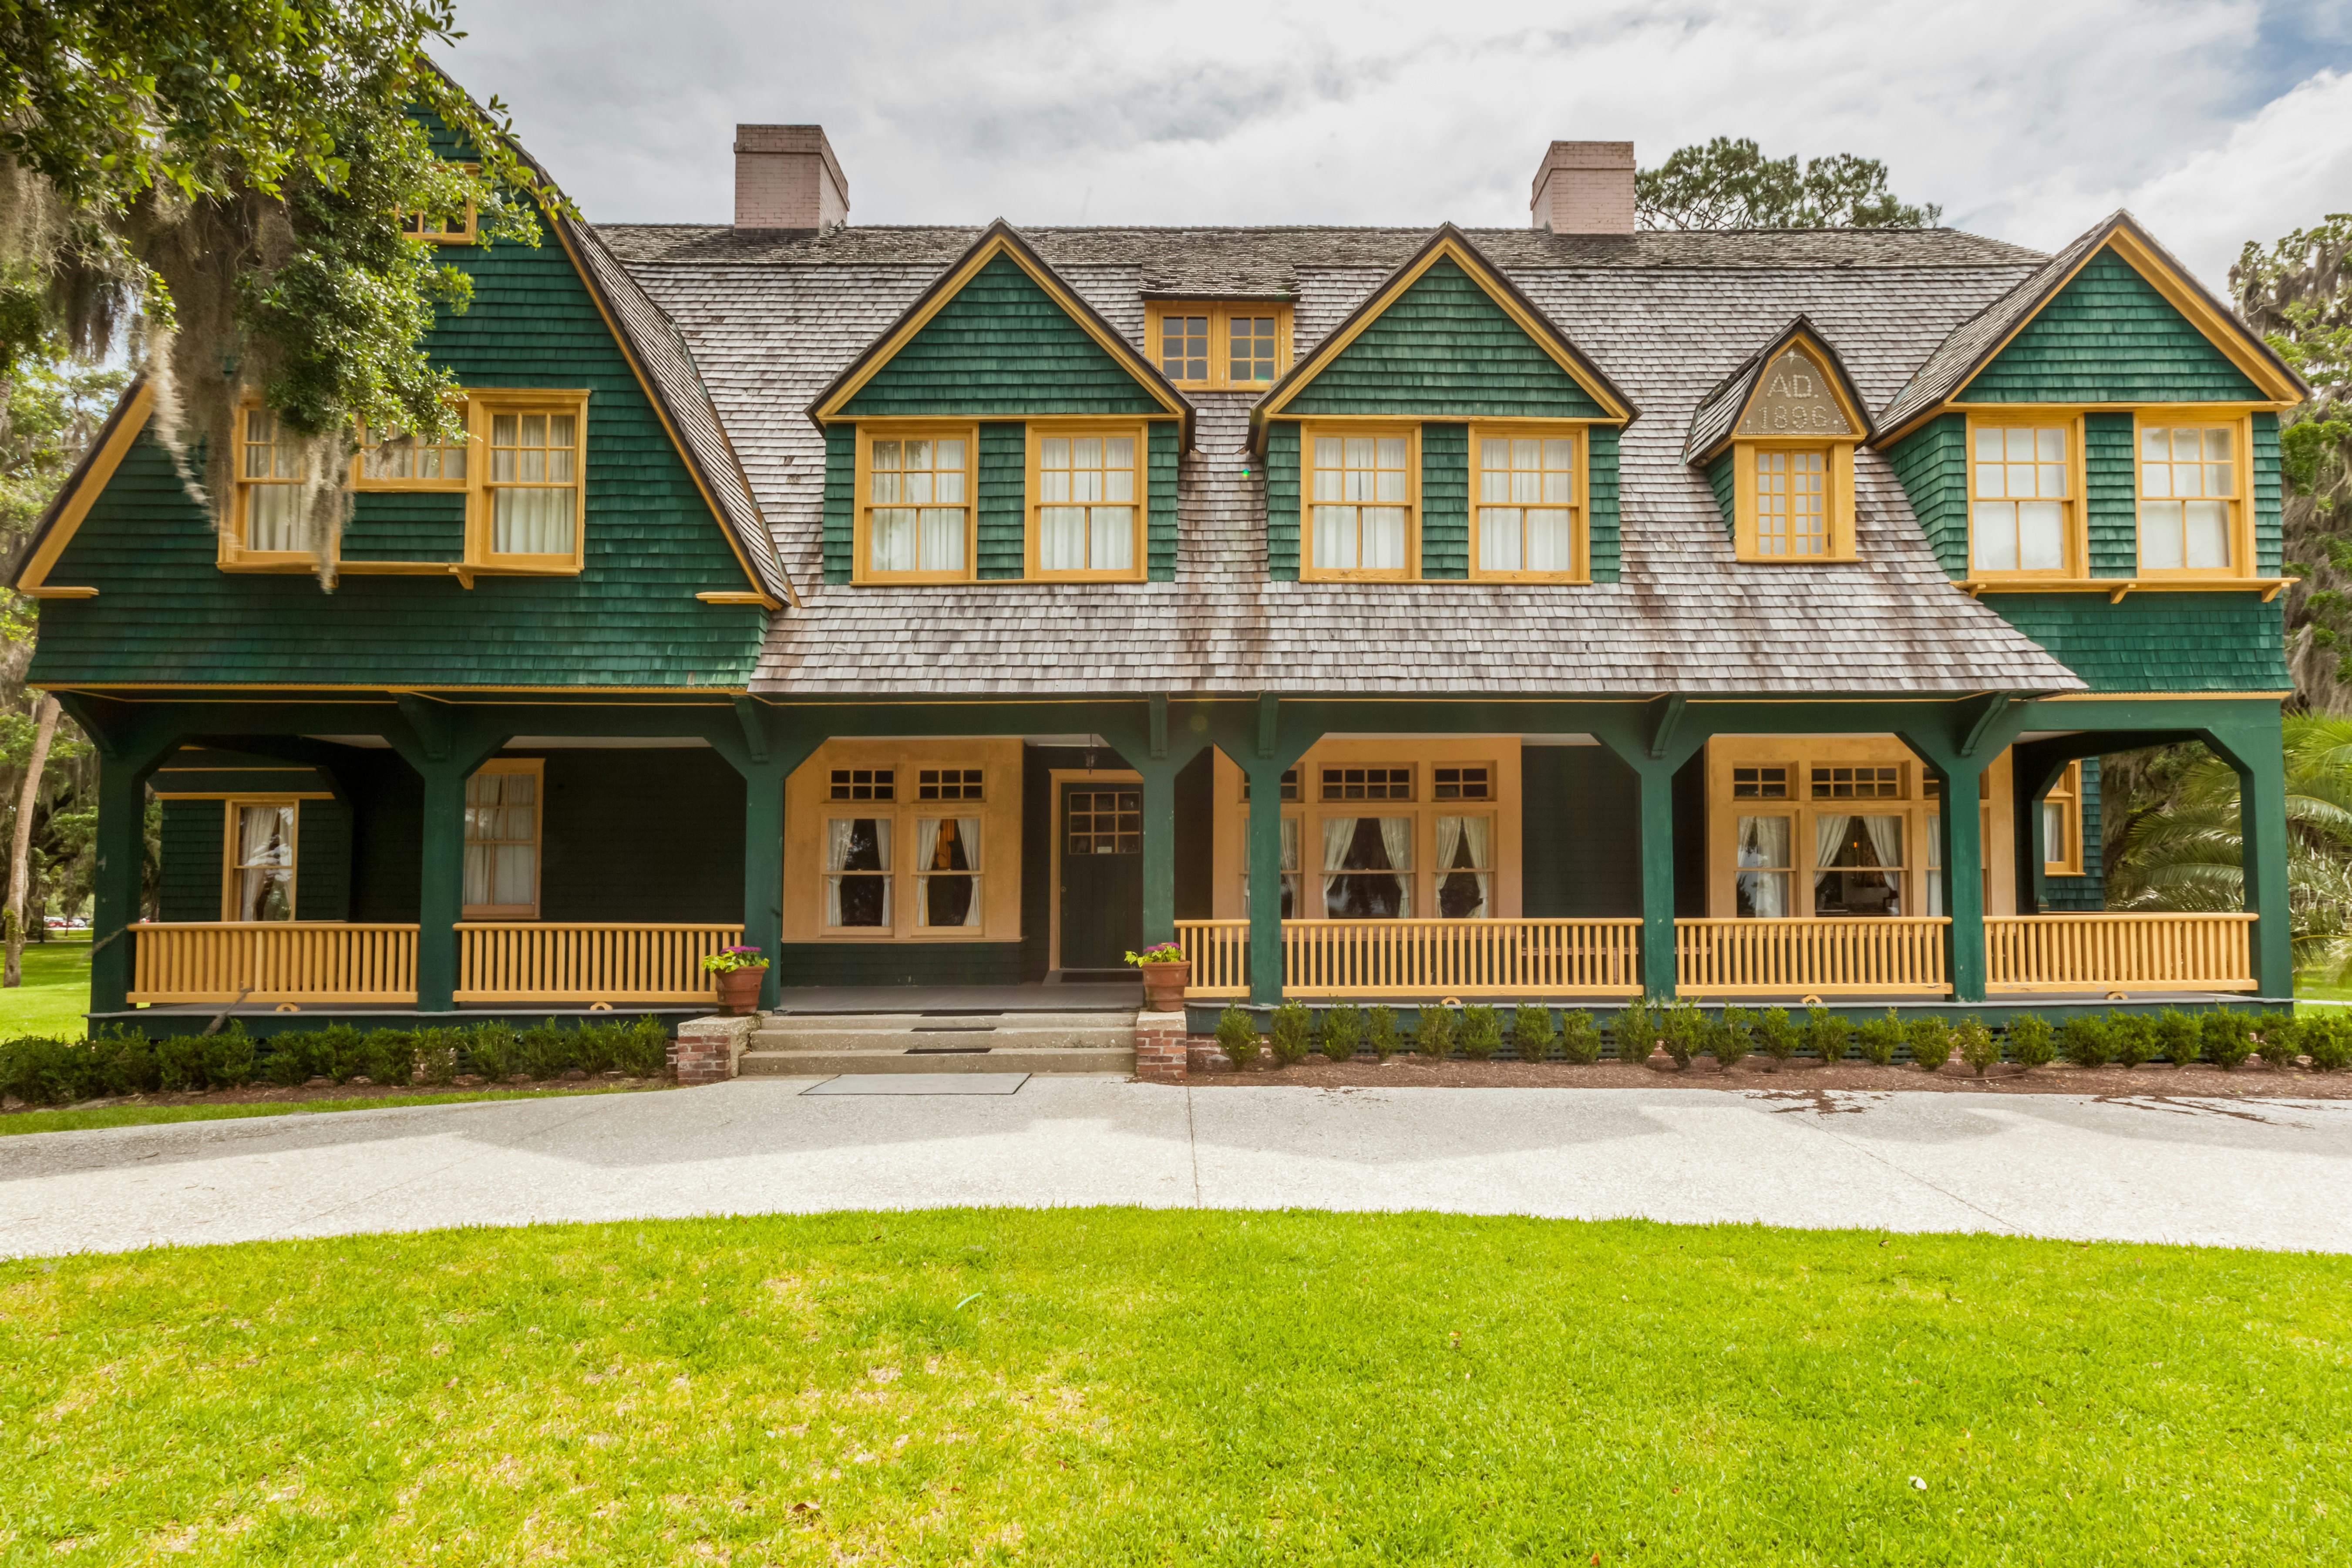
column 55, row 993
column 1111, row 1386
column 151, row 1115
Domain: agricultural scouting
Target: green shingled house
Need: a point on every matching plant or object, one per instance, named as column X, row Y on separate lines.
column 1560, row 612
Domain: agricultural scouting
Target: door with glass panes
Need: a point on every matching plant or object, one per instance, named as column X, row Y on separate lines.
column 1102, row 874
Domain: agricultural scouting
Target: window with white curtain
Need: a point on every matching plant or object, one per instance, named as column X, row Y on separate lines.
column 2020, row 492
column 534, row 483
column 1290, row 873
column 1765, row 868
column 1361, row 507
column 502, row 823
column 1526, row 506
column 1086, row 494
column 262, row 860
column 1463, row 857
column 270, row 485
column 857, row 872
column 1857, row 864
column 919, row 497
column 1367, row 867
column 2188, row 497
column 947, row 872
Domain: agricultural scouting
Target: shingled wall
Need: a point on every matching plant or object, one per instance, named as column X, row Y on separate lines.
column 2109, row 337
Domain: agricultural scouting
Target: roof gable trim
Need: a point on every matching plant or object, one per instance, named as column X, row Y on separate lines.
column 82, row 487
column 1743, row 386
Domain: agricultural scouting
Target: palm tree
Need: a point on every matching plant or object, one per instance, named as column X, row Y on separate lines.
column 2187, row 853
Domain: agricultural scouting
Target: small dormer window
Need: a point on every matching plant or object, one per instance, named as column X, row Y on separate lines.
column 1792, row 459
column 1219, row 343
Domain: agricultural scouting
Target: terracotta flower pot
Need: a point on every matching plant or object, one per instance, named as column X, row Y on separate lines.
column 1163, row 985
column 739, row 989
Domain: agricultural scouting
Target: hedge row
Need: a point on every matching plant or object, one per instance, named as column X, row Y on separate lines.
column 1684, row 1030
column 122, row 1060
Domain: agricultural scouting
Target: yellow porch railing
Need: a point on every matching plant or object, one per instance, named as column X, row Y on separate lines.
column 1893, row 956
column 1219, row 951
column 2119, row 951
column 586, row 960
column 271, row 962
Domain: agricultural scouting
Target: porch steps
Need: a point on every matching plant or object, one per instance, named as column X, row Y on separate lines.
column 821, row 1045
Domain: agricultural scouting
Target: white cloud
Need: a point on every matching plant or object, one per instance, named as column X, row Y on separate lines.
column 2023, row 119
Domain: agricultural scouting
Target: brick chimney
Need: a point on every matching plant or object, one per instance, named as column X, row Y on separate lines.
column 1584, row 188
column 785, row 177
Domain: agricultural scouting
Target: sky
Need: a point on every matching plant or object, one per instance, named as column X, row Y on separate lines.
column 2216, row 122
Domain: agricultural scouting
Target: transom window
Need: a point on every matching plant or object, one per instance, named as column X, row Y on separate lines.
column 919, row 507
column 1104, row 822
column 534, row 483
column 502, row 832
column 946, row 784
column 1085, row 497
column 2020, row 488
column 1367, row 783
column 1289, row 785
column 1461, row 784
column 1760, row 783
column 1526, row 506
column 863, row 784
column 2188, row 495
column 1852, row 784
column 271, row 485
column 1361, row 509
column 1792, row 504
column 1237, row 344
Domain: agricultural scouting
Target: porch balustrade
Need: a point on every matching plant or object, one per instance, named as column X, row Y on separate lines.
column 317, row 961
column 1219, row 954
column 1897, row 956
column 2119, row 951
column 1424, row 957
column 587, row 962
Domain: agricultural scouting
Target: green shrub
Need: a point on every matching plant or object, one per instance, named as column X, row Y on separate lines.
column 2226, row 1038
column 1580, row 1040
column 1775, row 1035
column 1732, row 1037
column 440, row 1055
column 287, row 1063
column 641, row 1049
column 1432, row 1032
column 1237, row 1036
column 2176, row 1036
column 1531, row 1032
column 2031, row 1041
column 1930, row 1040
column 2282, row 1041
column 1879, row 1039
column 1381, row 1031
column 1977, row 1045
column 1683, row 1029
column 228, row 1057
column 1827, row 1034
column 1342, row 1031
column 1290, row 1031
column 1634, row 1033
column 1482, row 1033
column 2327, row 1039
column 2131, row 1038
column 492, row 1052
column 2082, row 1040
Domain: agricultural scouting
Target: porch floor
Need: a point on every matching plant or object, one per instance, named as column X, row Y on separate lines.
column 1077, row 996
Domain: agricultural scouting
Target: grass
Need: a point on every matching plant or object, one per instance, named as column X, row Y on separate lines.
column 1116, row 1386
column 154, row 1115
column 55, row 993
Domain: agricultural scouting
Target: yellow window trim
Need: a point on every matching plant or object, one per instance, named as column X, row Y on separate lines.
column 2241, row 504
column 1310, row 572
column 360, row 481
column 1122, row 426
column 229, row 889
column 861, row 532
column 2067, row 795
column 467, row 234
column 537, row 768
column 1580, row 571
column 2076, row 567
column 1837, row 483
column 1220, row 313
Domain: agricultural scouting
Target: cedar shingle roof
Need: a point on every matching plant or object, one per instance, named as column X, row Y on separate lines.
column 773, row 318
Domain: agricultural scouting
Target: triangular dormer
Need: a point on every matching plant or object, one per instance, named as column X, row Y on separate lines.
column 1776, row 438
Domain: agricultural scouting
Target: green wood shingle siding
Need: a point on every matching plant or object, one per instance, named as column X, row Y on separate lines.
column 166, row 613
column 2109, row 337
column 1282, row 501
column 1445, row 501
column 1580, row 835
column 2157, row 642
column 188, row 884
column 1160, row 564
column 2110, row 495
column 1603, row 526
column 2085, row 894
column 1931, row 465
column 1002, row 483
column 840, row 500
column 398, row 525
column 2270, row 517
column 1443, row 347
column 1724, row 484
column 1001, row 346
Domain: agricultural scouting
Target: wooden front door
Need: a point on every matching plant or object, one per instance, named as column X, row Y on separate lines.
column 1102, row 874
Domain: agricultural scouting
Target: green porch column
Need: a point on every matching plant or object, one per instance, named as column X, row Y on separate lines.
column 441, row 882
column 2261, row 767
column 1159, row 852
column 130, row 746
column 1658, row 965
column 1266, row 965
column 1959, row 829
column 764, row 869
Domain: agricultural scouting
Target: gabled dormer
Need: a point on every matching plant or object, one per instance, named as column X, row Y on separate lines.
column 1000, row 429
column 1446, row 431
column 1776, row 441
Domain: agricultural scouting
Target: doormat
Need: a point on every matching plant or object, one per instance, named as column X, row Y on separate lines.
column 922, row 1083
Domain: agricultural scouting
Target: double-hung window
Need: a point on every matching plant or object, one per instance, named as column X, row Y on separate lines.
column 915, row 504
column 2061, row 824
column 1362, row 492
column 900, row 839
column 531, row 493
column 271, row 525
column 522, row 466
column 2021, row 499
column 2188, row 499
column 1086, row 488
column 260, row 884
column 1530, row 514
column 502, row 823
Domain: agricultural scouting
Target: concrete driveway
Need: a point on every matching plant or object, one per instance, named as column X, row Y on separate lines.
column 2145, row 1168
